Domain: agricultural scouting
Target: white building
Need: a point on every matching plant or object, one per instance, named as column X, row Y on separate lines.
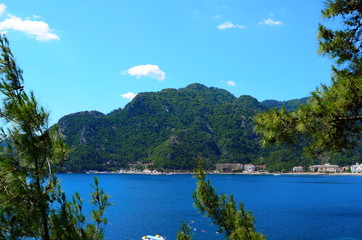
column 249, row 168
column 298, row 169
column 356, row 168
column 325, row 168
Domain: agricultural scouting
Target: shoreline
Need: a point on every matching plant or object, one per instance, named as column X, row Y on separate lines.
column 216, row 173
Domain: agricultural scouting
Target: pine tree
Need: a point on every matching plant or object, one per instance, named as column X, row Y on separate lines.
column 331, row 120
column 237, row 224
column 184, row 233
column 31, row 151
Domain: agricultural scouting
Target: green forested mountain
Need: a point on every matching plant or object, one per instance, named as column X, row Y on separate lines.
column 172, row 129
column 288, row 105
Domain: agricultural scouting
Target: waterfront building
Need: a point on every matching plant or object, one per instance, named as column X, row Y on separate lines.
column 356, row 168
column 249, row 168
column 325, row 168
column 298, row 169
column 229, row 167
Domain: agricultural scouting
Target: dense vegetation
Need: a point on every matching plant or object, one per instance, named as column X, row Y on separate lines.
column 172, row 128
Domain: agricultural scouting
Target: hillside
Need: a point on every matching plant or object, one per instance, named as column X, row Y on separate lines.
column 288, row 105
column 173, row 128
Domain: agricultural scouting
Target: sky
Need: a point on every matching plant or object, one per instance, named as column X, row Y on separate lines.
column 97, row 55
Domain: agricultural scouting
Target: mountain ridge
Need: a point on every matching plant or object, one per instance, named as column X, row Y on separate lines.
column 171, row 129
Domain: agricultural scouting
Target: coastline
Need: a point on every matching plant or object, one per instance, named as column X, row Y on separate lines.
column 216, row 173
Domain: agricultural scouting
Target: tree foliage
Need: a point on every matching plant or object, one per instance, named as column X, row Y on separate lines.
column 236, row 223
column 32, row 204
column 343, row 45
column 331, row 119
column 184, row 233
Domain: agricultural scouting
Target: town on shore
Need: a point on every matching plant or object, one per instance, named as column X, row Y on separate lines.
column 238, row 168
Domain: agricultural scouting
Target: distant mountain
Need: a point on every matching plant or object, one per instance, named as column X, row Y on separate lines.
column 288, row 105
column 172, row 128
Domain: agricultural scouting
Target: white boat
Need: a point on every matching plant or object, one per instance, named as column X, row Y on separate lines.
column 157, row 237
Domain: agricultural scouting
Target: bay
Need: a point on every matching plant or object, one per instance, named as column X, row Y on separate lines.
column 285, row 207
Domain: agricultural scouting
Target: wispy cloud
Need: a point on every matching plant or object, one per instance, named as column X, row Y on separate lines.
column 231, row 83
column 39, row 30
column 129, row 95
column 148, row 70
column 36, row 16
column 229, row 24
column 2, row 9
column 271, row 22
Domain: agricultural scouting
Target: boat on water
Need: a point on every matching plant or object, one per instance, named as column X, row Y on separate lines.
column 156, row 237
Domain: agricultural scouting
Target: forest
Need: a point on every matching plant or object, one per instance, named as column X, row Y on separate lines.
column 173, row 128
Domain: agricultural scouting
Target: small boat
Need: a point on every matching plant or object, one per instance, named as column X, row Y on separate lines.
column 157, row 237
column 276, row 174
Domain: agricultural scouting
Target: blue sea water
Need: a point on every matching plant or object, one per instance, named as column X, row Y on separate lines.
column 285, row 207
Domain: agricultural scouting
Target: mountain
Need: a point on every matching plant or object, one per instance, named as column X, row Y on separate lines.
column 288, row 105
column 172, row 129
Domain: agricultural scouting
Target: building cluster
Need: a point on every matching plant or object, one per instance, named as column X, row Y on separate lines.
column 356, row 168
column 330, row 168
column 237, row 167
column 250, row 168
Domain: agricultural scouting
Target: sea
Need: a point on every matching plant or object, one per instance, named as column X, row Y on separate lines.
column 285, row 207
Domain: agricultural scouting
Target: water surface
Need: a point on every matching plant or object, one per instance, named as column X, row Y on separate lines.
column 284, row 207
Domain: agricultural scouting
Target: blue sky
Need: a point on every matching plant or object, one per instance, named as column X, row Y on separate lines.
column 95, row 55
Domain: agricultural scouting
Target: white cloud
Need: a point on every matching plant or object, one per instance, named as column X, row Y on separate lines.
column 271, row 22
column 129, row 95
column 2, row 9
column 229, row 24
column 231, row 83
column 217, row 16
column 148, row 70
column 37, row 29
